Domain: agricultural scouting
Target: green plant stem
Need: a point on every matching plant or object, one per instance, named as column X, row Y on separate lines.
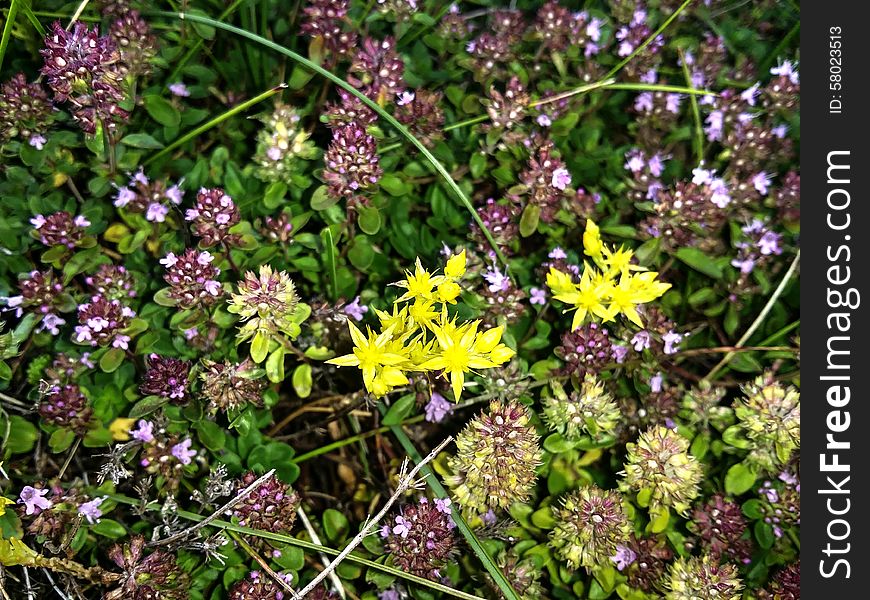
column 648, row 40
column 7, row 29
column 173, row 76
column 760, row 318
column 292, row 541
column 379, row 110
column 489, row 564
column 696, row 114
column 217, row 121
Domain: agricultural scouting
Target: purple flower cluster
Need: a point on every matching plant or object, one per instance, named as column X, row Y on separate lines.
column 25, row 111
column 421, row 112
column 271, row 507
column 114, row 282
column 167, row 378
column 102, row 322
column 352, row 162
column 153, row 198
column 377, row 70
column 420, row 538
column 646, row 171
column 759, row 244
column 545, row 179
column 501, row 219
column 42, row 295
column 720, row 527
column 586, row 350
column 67, row 407
column 192, row 278
column 629, row 37
column 507, row 109
column 60, row 229
column 212, row 217
column 163, row 454
column 82, row 68
column 349, row 110
column 327, row 19
column 135, row 42
column 258, row 587
column 559, row 29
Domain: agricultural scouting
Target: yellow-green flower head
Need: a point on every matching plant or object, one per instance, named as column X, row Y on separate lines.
column 461, row 349
column 702, row 578
column 522, row 573
column 770, row 417
column 661, row 470
column 281, row 144
column 590, row 523
column 496, row 459
column 379, row 360
column 590, row 411
column 267, row 302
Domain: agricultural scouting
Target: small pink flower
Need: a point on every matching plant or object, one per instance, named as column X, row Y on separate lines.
column 561, row 178
column 169, row 260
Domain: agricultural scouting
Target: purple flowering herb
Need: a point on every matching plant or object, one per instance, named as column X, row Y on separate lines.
column 624, row 557
column 355, row 310
column 183, row 452
column 91, row 510
column 144, row 431
column 538, row 296
column 671, row 339
column 34, row 500
column 437, row 408
column 179, row 89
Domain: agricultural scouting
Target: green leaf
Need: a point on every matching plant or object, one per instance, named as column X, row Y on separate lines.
column 321, row 199
column 211, row 435
column 162, row 111
column 529, row 219
column 22, row 435
column 259, row 347
column 369, row 219
column 477, row 164
column 109, row 528
column 400, row 410
column 393, row 185
column 335, row 525
column 329, row 261
column 146, row 406
column 543, row 518
column 302, row 380
column 111, row 360
column 740, row 479
column 60, row 440
column 162, row 297
column 556, row 444
column 275, row 366
column 361, row 254
column 699, row 261
column 141, row 140
column 274, row 196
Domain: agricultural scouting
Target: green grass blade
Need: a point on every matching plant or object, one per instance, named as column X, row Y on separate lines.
column 439, row 168
column 432, row 480
column 217, row 121
column 7, row 29
column 25, row 8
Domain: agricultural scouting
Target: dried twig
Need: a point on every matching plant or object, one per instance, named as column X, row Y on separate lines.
column 184, row 534
column 336, row 582
column 406, row 482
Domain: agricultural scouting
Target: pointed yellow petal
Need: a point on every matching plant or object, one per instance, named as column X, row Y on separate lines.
column 457, row 380
column 348, row 360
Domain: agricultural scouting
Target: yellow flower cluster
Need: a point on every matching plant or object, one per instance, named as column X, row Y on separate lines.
column 419, row 336
column 609, row 286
